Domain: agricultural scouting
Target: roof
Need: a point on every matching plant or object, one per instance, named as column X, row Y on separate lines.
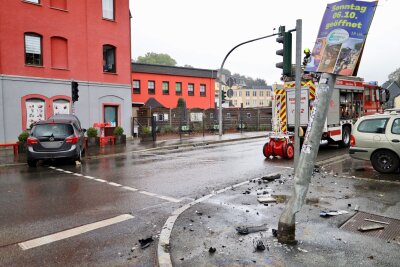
column 172, row 70
column 262, row 87
column 153, row 103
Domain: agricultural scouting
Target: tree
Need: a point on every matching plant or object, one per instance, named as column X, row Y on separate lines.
column 181, row 103
column 155, row 58
column 395, row 76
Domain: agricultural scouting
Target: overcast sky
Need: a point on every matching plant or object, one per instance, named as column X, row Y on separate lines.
column 200, row 32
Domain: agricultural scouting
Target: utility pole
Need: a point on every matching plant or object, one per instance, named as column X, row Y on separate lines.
column 297, row 93
column 303, row 172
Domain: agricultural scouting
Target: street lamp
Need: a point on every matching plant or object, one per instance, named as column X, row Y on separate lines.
column 220, row 80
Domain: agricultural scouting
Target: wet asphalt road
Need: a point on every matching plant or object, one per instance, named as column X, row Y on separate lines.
column 148, row 186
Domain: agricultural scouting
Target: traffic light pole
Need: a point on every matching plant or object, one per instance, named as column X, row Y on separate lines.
column 299, row 29
column 220, row 79
column 305, row 167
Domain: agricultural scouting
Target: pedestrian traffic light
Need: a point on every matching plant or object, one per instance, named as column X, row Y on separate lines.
column 223, row 96
column 75, row 91
column 285, row 38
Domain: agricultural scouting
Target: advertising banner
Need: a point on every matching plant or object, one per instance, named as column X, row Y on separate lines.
column 341, row 37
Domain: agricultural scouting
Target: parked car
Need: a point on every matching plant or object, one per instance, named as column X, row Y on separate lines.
column 377, row 138
column 59, row 137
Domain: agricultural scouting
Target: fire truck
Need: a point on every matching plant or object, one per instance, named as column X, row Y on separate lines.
column 351, row 98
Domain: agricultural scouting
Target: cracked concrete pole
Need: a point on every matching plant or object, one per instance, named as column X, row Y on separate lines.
column 309, row 151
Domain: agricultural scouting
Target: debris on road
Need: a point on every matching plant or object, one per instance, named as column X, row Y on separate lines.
column 371, row 257
column 144, row 243
column 369, row 220
column 332, row 213
column 371, row 227
column 274, row 233
column 212, row 250
column 244, row 230
column 266, row 199
column 259, row 245
column 271, row 178
column 302, row 250
column 356, row 207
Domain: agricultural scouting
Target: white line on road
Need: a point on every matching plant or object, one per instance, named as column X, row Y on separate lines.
column 130, row 188
column 68, row 172
column 72, row 232
column 100, row 180
column 78, row 174
column 171, row 199
column 89, row 177
column 114, row 184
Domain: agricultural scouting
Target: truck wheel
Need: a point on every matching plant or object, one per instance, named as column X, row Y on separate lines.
column 289, row 154
column 265, row 150
column 345, row 142
column 385, row 161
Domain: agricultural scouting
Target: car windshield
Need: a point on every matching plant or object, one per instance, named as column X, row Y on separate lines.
column 373, row 126
column 56, row 130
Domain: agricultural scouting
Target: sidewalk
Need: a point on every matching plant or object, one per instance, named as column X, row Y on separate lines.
column 132, row 145
column 209, row 223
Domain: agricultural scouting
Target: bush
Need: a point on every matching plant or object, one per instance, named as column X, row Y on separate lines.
column 145, row 130
column 23, row 136
column 118, row 130
column 166, row 129
column 91, row 132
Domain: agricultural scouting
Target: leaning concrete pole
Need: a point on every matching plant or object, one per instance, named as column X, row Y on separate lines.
column 305, row 166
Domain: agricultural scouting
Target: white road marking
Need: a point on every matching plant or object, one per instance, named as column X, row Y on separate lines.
column 130, row 188
column 68, row 172
column 51, row 167
column 170, row 199
column 72, row 232
column 114, row 184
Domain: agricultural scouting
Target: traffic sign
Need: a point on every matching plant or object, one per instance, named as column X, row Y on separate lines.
column 229, row 93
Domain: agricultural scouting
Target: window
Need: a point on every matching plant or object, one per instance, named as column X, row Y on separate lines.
column 228, row 115
column 108, row 9
column 261, row 93
column 60, row 4
column 111, row 115
column 61, row 106
column 35, row 111
column 202, row 90
column 196, row 117
column 109, row 59
column 396, row 126
column 254, row 93
column 247, row 93
column 59, row 53
column 160, row 116
column 367, row 96
column 151, row 87
column 136, row 86
column 211, row 115
column 247, row 103
column 165, row 88
column 178, row 88
column 248, row 115
column 268, row 93
column 33, row 1
column 235, row 102
column 254, row 102
column 190, row 89
column 261, row 103
column 33, row 49
column 373, row 126
column 240, row 93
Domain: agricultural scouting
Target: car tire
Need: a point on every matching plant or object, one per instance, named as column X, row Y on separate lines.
column 346, row 132
column 265, row 150
column 385, row 161
column 32, row 163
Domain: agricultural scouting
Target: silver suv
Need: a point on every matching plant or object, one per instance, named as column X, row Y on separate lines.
column 377, row 138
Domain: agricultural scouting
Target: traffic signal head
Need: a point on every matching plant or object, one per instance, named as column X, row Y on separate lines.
column 285, row 39
column 75, row 91
column 223, row 96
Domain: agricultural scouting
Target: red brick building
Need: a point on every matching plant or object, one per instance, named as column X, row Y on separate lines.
column 45, row 44
column 167, row 84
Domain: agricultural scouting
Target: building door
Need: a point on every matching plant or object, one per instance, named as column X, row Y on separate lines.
column 110, row 116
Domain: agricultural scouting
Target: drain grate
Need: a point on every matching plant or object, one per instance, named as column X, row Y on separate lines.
column 391, row 230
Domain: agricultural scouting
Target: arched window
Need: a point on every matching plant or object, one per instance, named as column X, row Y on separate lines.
column 33, row 49
column 35, row 111
column 61, row 106
column 109, row 59
column 60, row 4
column 59, row 53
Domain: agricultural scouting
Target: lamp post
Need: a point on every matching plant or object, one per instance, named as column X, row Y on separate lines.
column 220, row 74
